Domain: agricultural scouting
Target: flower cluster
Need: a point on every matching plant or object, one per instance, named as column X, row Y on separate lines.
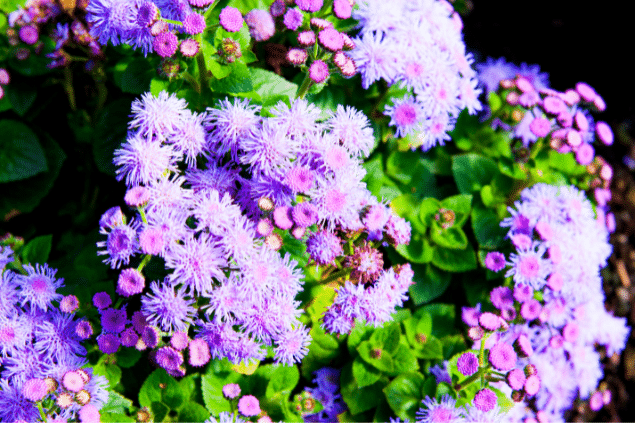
column 147, row 25
column 69, row 31
column 218, row 228
column 4, row 80
column 41, row 354
column 327, row 380
column 319, row 47
column 537, row 111
column 419, row 46
column 446, row 410
column 557, row 291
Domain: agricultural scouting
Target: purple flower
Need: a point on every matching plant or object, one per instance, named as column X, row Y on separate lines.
column 495, row 261
column 324, row 247
column 318, row 71
column 189, row 137
column 467, row 364
column 130, row 282
column 292, row 345
column 199, row 352
column 502, row 298
column 249, row 406
column 157, row 116
column 231, row 19
column 293, row 19
column 485, row 399
column 120, row 245
column 168, row 307
column 310, row 6
column 438, row 411
column 261, row 24
column 169, row 358
column 502, row 356
column 231, row 390
column 108, row 343
column 195, row 263
column 143, row 161
column 165, row 44
column 194, row 24
column 304, row 215
column 229, row 123
column 38, row 287
column 113, row 320
column 342, row 9
column 35, row 389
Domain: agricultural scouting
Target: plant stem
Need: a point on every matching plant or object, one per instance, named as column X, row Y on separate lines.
column 336, row 275
column 304, row 88
column 68, row 87
column 143, row 263
column 170, row 21
column 203, row 78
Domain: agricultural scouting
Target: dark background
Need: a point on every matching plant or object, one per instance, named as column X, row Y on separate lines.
column 590, row 42
column 572, row 41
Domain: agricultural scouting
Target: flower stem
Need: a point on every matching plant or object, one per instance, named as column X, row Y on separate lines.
column 336, row 275
column 144, row 262
column 203, row 76
column 304, row 88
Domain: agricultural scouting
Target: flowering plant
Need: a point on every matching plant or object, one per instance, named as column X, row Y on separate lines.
column 297, row 210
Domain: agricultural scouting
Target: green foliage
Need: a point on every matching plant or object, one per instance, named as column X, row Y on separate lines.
column 37, row 250
column 21, row 155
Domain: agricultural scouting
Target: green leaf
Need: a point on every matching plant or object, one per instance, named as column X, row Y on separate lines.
column 111, row 129
column 453, row 237
column 472, row 172
column 112, row 372
column 375, row 356
column 172, row 395
column 359, row 399
column 503, row 401
column 128, row 357
column 238, row 81
column 152, row 388
column 430, row 283
column 35, row 64
column 443, row 318
column 364, row 373
column 511, row 168
column 114, row 417
column 193, row 412
column 404, row 360
column 386, row 338
column 21, row 155
column 454, row 260
column 432, row 349
column 212, row 387
column 487, row 229
column 428, row 209
column 157, row 85
column 400, row 165
column 566, row 163
column 117, row 403
column 37, row 250
column 418, row 250
column 22, row 96
column 461, row 205
column 268, row 84
column 283, row 381
column 361, row 332
column 323, row 349
column 374, row 175
column 404, row 395
column 136, row 76
column 159, row 411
